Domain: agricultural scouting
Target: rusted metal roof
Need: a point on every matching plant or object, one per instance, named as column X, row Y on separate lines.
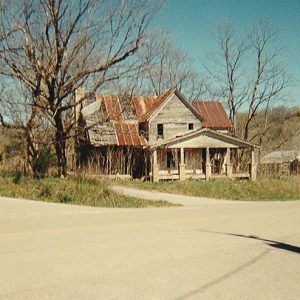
column 119, row 132
column 213, row 114
column 145, row 106
column 125, row 112
column 111, row 105
column 128, row 135
column 142, row 106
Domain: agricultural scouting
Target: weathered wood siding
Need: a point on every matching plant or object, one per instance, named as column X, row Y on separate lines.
column 175, row 116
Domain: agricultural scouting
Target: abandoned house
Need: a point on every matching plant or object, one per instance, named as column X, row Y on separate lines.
column 164, row 137
column 281, row 163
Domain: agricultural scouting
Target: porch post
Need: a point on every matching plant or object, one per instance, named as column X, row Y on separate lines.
column 201, row 160
column 238, row 160
column 207, row 165
column 182, row 165
column 155, row 167
column 253, row 166
column 229, row 168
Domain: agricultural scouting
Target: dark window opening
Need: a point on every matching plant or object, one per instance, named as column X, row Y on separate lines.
column 191, row 126
column 141, row 128
column 160, row 130
column 170, row 160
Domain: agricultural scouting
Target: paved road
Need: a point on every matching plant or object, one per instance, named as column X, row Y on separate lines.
column 55, row 251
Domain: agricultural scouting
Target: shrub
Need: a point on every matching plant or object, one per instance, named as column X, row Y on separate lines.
column 42, row 162
column 63, row 198
column 45, row 191
column 17, row 177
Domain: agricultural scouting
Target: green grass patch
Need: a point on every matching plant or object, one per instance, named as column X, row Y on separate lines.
column 262, row 189
column 71, row 190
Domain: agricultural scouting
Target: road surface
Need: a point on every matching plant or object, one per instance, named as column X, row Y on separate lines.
column 232, row 250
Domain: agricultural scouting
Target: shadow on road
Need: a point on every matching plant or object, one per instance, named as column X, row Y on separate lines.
column 223, row 277
column 274, row 244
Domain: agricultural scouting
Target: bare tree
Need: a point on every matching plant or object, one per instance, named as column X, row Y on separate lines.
column 164, row 67
column 270, row 79
column 26, row 122
column 227, row 72
column 282, row 129
column 248, row 73
column 56, row 46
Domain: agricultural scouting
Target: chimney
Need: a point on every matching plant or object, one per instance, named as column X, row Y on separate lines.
column 79, row 94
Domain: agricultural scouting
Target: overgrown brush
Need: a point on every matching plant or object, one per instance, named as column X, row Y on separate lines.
column 72, row 190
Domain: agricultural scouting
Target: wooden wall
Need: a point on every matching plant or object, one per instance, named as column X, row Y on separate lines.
column 175, row 116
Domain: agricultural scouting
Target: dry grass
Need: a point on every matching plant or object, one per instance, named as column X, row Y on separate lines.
column 262, row 189
column 70, row 190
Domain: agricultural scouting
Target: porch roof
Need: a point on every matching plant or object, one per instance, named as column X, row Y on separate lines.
column 202, row 138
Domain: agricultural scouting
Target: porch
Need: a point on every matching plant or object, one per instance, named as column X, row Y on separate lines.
column 203, row 155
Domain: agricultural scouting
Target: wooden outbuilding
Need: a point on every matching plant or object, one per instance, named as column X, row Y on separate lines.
column 281, row 163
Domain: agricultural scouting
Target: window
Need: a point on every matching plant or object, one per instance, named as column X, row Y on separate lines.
column 143, row 130
column 160, row 131
column 191, row 126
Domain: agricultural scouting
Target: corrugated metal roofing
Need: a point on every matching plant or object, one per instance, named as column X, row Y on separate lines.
column 128, row 135
column 145, row 106
column 126, row 115
column 112, row 106
column 213, row 114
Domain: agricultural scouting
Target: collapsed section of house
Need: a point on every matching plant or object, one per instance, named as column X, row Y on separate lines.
column 161, row 137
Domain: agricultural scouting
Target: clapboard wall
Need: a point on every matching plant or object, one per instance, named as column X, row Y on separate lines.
column 175, row 117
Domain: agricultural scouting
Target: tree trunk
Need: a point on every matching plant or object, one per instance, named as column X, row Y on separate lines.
column 60, row 146
column 27, row 158
column 31, row 152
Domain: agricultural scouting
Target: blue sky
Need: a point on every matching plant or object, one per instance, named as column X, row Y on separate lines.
column 192, row 21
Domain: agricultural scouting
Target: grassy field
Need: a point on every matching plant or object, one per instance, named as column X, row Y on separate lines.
column 262, row 189
column 70, row 190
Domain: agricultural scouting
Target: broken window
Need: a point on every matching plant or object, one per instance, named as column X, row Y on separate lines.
column 160, row 131
column 143, row 130
column 191, row 126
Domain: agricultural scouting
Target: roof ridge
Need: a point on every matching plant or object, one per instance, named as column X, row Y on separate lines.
column 118, row 94
column 204, row 101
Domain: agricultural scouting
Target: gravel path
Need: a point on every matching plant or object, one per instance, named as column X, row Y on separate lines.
column 173, row 198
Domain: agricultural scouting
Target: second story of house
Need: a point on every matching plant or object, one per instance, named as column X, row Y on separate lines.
column 145, row 120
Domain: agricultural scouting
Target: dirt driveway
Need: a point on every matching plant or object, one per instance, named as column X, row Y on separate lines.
column 173, row 198
column 212, row 251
